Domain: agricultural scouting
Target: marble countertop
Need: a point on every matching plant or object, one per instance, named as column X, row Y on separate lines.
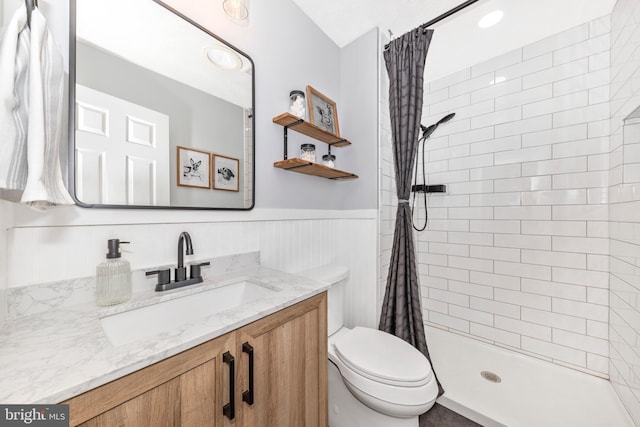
column 52, row 356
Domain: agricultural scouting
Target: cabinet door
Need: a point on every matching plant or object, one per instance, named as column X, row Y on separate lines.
column 290, row 367
column 159, row 407
column 188, row 389
column 199, row 406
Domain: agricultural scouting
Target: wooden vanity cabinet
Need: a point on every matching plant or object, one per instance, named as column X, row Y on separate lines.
column 290, row 367
column 183, row 390
column 190, row 389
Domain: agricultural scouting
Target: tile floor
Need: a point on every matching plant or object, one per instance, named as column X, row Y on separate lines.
column 439, row 416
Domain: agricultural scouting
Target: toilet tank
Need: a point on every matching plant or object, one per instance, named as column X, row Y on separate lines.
column 336, row 276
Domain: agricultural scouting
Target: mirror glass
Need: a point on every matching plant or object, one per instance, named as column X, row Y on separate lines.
column 162, row 108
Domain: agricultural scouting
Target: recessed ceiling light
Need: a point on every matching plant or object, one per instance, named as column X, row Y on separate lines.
column 223, row 58
column 490, row 19
column 236, row 9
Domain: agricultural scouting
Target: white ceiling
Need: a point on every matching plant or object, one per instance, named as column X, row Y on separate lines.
column 458, row 42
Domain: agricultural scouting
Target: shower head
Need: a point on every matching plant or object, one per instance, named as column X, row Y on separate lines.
column 427, row 131
column 446, row 118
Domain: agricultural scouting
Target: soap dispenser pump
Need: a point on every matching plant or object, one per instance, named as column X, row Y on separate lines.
column 113, row 276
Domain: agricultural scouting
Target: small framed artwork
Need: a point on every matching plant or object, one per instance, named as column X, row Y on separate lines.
column 193, row 168
column 226, row 173
column 322, row 111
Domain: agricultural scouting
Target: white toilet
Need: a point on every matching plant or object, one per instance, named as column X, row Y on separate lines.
column 375, row 378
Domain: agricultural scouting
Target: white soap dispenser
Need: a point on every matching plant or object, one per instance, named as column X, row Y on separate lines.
column 113, row 277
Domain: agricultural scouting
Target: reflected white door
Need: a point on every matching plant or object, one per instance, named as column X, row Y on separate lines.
column 122, row 151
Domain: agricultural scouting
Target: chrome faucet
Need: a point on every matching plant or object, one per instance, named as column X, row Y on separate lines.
column 181, row 271
column 195, row 276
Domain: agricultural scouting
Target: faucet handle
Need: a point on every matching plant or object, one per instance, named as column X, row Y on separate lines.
column 164, row 276
column 195, row 270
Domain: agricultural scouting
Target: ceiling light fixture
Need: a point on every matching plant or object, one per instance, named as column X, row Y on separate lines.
column 490, row 19
column 223, row 58
column 236, row 9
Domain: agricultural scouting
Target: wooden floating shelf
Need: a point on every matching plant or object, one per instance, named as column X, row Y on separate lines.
column 311, row 130
column 289, row 121
column 310, row 168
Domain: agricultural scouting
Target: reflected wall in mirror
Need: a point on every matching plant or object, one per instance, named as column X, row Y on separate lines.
column 146, row 80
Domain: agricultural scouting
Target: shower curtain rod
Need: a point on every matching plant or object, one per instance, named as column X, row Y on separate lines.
column 445, row 15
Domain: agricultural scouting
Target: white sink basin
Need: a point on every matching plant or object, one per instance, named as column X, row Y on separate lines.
column 130, row 326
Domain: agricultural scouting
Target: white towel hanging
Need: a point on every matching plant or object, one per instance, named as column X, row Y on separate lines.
column 46, row 93
column 31, row 113
column 14, row 67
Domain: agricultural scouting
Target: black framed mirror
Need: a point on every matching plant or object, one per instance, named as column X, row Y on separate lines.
column 161, row 110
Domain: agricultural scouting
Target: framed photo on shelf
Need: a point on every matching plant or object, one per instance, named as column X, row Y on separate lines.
column 322, row 111
column 226, row 173
column 193, row 168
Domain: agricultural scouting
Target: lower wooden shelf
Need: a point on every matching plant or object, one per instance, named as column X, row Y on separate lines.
column 310, row 168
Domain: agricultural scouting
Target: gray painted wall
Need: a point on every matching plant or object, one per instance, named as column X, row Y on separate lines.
column 196, row 119
column 350, row 79
column 290, row 52
column 359, row 121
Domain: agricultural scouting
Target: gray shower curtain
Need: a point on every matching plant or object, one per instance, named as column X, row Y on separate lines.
column 401, row 309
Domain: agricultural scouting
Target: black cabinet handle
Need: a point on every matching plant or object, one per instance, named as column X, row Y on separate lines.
column 247, row 396
column 229, row 410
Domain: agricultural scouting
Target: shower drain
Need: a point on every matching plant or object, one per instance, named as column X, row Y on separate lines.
column 490, row 376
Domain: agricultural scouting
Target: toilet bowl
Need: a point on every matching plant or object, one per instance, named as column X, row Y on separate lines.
column 375, row 379
column 383, row 372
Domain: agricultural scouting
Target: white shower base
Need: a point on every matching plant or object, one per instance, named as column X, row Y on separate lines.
column 533, row 392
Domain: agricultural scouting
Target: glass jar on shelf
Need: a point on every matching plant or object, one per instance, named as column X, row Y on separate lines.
column 329, row 160
column 296, row 104
column 308, row 152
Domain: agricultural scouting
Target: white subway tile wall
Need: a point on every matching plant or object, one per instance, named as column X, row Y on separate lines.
column 624, row 228
column 505, row 258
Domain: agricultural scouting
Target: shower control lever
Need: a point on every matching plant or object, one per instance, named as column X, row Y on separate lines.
column 423, row 188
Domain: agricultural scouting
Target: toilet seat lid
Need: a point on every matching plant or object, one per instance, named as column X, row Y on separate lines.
column 383, row 357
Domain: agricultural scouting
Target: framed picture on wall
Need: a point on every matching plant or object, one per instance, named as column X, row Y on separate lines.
column 193, row 168
column 226, row 173
column 322, row 111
